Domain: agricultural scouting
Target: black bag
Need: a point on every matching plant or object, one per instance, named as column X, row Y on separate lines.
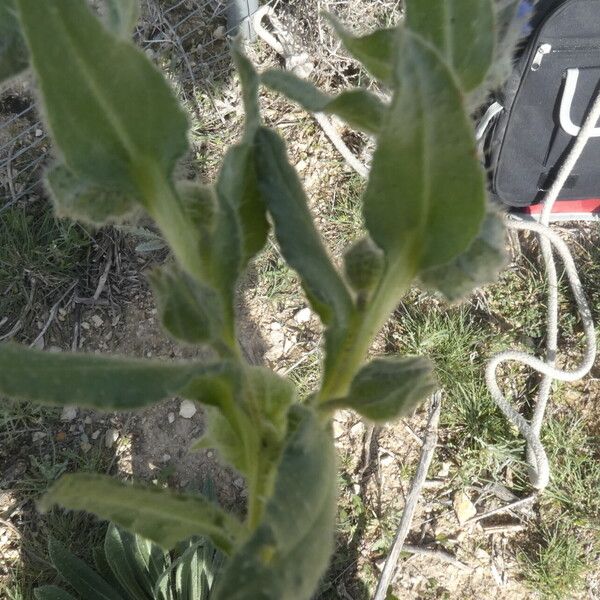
column 543, row 106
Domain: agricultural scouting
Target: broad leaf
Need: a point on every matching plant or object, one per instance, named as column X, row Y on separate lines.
column 389, row 388
column 113, row 116
column 288, row 553
column 79, row 576
column 477, row 266
column 51, row 592
column 101, row 382
column 13, row 51
column 375, row 51
column 300, row 242
column 122, row 16
column 463, row 31
column 426, row 198
column 163, row 516
column 190, row 311
column 359, row 108
column 80, row 200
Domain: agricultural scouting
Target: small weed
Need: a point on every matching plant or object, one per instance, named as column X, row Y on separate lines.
column 556, row 565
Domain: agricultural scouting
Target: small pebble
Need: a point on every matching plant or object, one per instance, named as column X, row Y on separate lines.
column 171, row 417
column 86, row 446
column 187, row 409
column 239, row 482
column 110, row 437
column 303, row 316
column 68, row 413
column 166, row 457
column 210, row 454
column 38, row 435
column 88, row 420
column 96, row 434
column 97, row 320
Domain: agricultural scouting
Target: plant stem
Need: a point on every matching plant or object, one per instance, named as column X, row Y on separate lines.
column 362, row 331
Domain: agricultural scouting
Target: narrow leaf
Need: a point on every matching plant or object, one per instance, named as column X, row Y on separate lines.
column 119, row 559
column 76, row 198
column 300, row 242
column 359, row 108
column 288, row 553
column 163, row 516
column 79, row 576
column 13, row 51
column 51, row 592
column 474, row 268
column 463, row 31
column 389, row 388
column 375, row 51
column 426, row 196
column 101, row 382
column 250, row 81
column 119, row 118
column 122, row 16
column 190, row 311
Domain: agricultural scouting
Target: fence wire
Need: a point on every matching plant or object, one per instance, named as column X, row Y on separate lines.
column 186, row 38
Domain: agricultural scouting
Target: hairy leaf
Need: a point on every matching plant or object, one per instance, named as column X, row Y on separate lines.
column 477, row 266
column 364, row 264
column 288, row 553
column 300, row 242
column 375, row 50
column 79, row 576
column 190, row 311
column 119, row 118
column 76, row 198
column 426, row 197
column 13, row 51
column 163, row 516
column 359, row 108
column 122, row 16
column 463, row 32
column 389, row 388
column 102, row 382
column 51, row 592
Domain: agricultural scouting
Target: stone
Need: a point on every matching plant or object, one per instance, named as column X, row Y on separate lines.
column 86, row 446
column 97, row 321
column 68, row 413
column 187, row 409
column 303, row 316
column 38, row 435
column 463, row 507
column 239, row 482
column 96, row 434
column 110, row 437
column 171, row 417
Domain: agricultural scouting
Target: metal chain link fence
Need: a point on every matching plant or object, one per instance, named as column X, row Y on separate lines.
column 187, row 38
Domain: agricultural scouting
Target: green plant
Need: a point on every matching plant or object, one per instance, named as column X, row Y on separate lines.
column 120, row 132
column 128, row 567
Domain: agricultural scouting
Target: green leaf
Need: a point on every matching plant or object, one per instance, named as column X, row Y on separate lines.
column 80, row 200
column 13, row 51
column 463, row 31
column 474, row 268
column 426, row 197
column 237, row 188
column 118, row 555
column 364, row 265
column 250, row 81
column 300, row 242
column 163, row 516
column 288, row 553
column 122, row 16
column 79, row 576
column 359, row 108
column 375, row 51
column 190, row 311
column 120, row 120
column 51, row 592
column 389, row 388
column 102, row 382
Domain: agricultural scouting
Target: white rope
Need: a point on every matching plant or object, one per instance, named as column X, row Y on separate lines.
column 550, row 242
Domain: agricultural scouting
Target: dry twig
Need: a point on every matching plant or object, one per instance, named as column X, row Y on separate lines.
column 427, row 452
